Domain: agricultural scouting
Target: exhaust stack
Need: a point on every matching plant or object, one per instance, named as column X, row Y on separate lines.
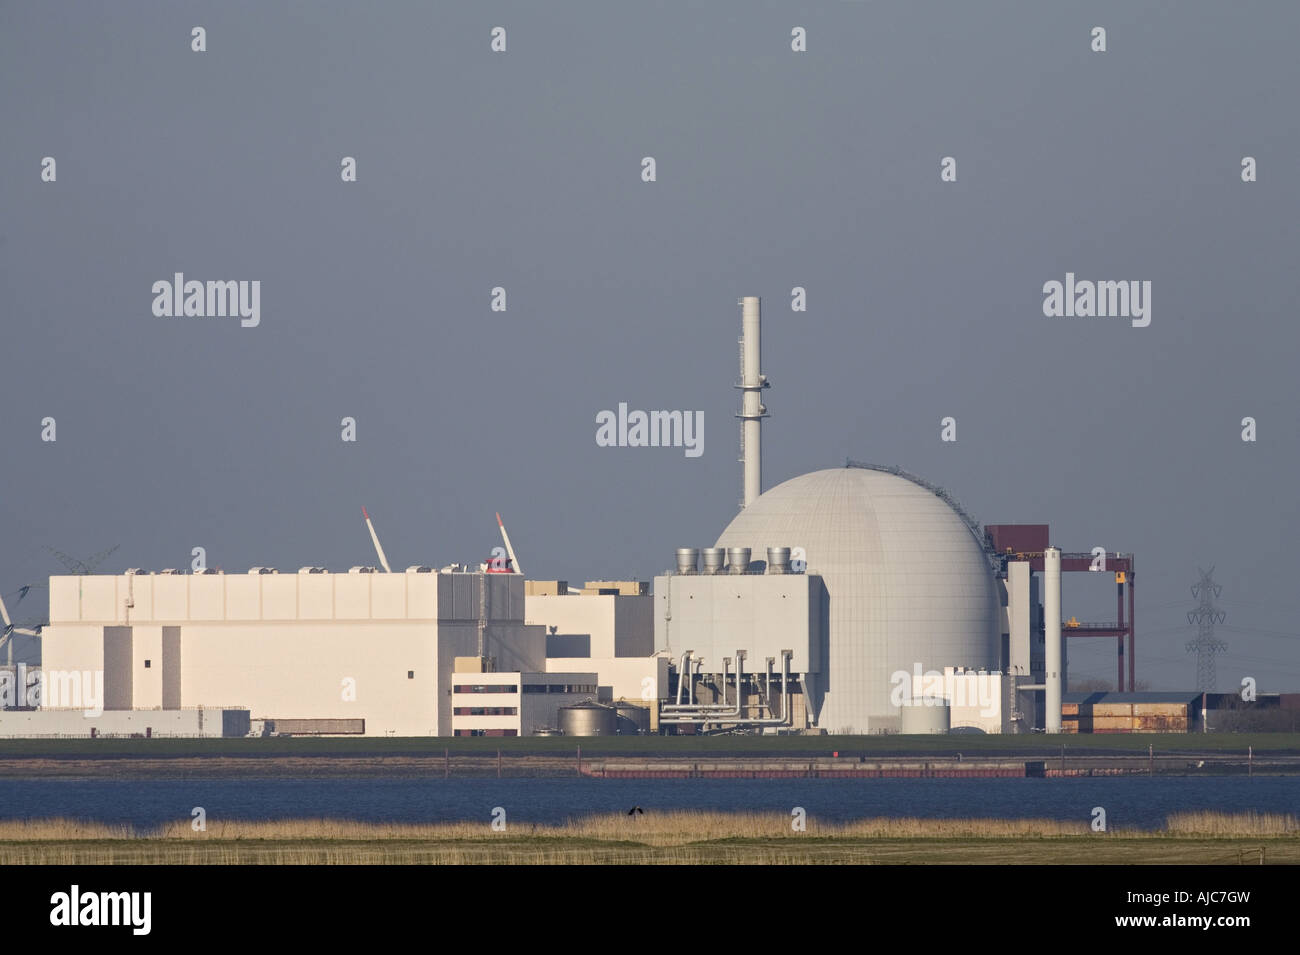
column 1052, row 637
column 714, row 558
column 752, row 411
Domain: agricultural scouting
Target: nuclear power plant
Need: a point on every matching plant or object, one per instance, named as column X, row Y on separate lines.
column 856, row 599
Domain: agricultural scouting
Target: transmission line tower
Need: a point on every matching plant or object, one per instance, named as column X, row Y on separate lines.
column 81, row 567
column 1204, row 617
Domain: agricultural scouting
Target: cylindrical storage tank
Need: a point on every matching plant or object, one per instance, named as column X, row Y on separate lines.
column 738, row 559
column 633, row 720
column 588, row 719
column 778, row 560
column 919, row 718
column 714, row 558
column 688, row 560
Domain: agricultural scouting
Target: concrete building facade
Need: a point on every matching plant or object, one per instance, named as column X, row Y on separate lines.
column 306, row 646
column 514, row 704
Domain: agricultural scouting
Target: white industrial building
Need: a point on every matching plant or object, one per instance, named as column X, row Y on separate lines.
column 311, row 646
column 357, row 653
column 512, row 704
column 606, row 627
column 158, row 724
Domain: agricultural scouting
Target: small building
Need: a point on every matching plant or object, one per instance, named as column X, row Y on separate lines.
column 1143, row 712
column 513, row 704
column 975, row 699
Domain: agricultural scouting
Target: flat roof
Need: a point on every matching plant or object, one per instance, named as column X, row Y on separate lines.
column 1147, row 696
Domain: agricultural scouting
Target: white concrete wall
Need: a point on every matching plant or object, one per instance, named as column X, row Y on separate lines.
column 73, row 647
column 297, row 670
column 146, row 681
column 714, row 615
column 634, row 625
column 176, row 598
column 626, row 678
column 592, row 614
column 283, row 645
column 112, row 723
column 620, row 625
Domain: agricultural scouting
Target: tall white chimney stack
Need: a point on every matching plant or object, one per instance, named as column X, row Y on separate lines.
column 1052, row 636
column 752, row 411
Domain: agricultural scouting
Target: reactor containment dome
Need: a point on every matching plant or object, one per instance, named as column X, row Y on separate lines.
column 907, row 582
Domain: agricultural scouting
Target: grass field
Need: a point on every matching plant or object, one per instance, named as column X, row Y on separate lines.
column 677, row 746
column 668, row 838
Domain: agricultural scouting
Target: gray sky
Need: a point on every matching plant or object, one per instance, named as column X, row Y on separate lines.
column 775, row 169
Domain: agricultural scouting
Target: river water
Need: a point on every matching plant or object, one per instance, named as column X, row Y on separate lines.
column 1136, row 802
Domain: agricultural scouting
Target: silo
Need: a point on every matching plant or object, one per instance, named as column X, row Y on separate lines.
column 633, row 720
column 588, row 719
column 919, row 718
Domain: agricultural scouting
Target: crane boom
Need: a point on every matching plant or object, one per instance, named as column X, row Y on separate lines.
column 383, row 561
column 514, row 561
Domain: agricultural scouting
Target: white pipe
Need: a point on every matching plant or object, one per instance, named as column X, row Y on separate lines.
column 383, row 561
column 740, row 679
column 682, row 676
column 782, row 720
column 716, row 709
column 1052, row 635
column 767, row 688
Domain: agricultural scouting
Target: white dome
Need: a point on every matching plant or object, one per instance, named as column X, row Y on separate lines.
column 908, row 584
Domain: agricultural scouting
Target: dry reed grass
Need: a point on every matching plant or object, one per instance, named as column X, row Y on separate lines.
column 655, row 830
column 1234, row 824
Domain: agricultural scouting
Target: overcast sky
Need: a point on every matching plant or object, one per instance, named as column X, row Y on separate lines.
column 775, row 169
